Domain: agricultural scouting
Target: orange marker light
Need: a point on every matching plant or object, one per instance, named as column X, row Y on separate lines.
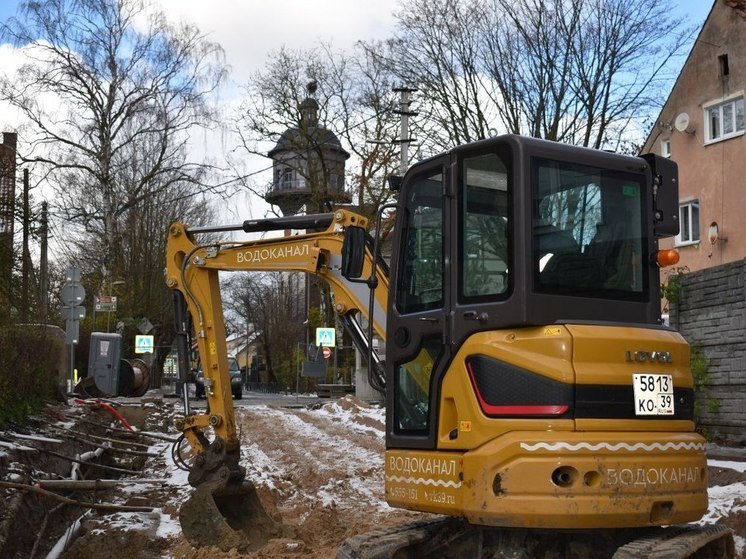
column 667, row 257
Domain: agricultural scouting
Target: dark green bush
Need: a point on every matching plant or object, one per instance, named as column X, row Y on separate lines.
column 32, row 362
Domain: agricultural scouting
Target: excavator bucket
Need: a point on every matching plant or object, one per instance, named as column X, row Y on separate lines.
column 228, row 515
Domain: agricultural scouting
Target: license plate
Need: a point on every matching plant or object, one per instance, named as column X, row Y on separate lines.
column 653, row 394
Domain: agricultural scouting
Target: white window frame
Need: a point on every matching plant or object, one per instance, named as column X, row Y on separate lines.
column 689, row 216
column 666, row 147
column 730, row 101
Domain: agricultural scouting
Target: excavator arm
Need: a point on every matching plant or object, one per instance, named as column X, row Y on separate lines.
column 192, row 269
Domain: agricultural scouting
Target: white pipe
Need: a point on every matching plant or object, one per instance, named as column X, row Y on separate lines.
column 67, row 537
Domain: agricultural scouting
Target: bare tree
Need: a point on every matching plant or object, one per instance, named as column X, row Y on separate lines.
column 436, row 48
column 273, row 303
column 367, row 121
column 104, row 80
column 578, row 71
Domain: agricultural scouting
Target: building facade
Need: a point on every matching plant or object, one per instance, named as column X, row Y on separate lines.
column 701, row 127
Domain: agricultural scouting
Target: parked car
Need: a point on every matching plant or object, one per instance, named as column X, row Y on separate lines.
column 235, row 375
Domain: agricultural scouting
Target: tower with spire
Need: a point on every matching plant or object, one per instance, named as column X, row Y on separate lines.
column 308, row 164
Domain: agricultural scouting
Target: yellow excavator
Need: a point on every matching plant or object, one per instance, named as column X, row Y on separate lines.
column 534, row 397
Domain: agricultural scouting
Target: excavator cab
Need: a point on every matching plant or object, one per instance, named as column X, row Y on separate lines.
column 530, row 379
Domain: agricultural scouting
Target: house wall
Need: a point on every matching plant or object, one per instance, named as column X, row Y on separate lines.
column 714, row 174
column 710, row 313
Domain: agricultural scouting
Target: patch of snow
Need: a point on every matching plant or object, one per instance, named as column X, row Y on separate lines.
column 740, row 545
column 722, row 502
column 14, row 446
column 352, row 418
column 261, row 468
column 732, row 465
column 168, row 527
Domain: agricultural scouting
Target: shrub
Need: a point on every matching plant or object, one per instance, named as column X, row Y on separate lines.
column 31, row 366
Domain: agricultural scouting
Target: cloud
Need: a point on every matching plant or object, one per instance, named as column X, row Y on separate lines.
column 11, row 59
column 249, row 31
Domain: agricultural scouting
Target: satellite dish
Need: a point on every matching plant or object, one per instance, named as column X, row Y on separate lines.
column 682, row 122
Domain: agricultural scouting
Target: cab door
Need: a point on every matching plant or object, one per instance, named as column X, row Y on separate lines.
column 452, row 276
column 417, row 346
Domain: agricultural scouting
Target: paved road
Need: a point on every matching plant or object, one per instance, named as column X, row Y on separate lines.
column 252, row 398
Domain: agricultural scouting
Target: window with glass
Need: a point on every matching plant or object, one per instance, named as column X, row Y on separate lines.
column 484, row 228
column 421, row 269
column 588, row 233
column 287, row 179
column 413, row 380
column 724, row 120
column 666, row 148
column 688, row 223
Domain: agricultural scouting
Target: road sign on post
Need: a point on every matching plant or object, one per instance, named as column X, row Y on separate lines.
column 72, row 293
column 73, row 313
column 143, row 344
column 327, row 351
column 105, row 303
column 326, row 337
column 72, row 334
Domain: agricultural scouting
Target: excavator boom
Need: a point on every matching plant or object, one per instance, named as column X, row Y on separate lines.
column 193, row 271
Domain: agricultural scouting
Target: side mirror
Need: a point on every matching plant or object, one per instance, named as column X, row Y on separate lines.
column 353, row 252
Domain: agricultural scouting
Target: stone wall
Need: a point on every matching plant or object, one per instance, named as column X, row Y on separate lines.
column 710, row 313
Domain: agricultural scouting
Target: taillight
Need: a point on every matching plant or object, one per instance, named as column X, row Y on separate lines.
column 503, row 389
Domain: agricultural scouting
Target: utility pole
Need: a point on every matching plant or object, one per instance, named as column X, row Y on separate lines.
column 25, row 254
column 43, row 277
column 404, row 139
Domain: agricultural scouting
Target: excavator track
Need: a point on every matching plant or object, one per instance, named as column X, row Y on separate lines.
column 451, row 538
column 714, row 541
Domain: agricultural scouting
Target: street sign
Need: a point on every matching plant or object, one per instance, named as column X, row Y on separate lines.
column 73, row 313
column 326, row 337
column 72, row 332
column 144, row 326
column 327, row 351
column 105, row 303
column 72, row 294
column 72, row 274
column 144, row 344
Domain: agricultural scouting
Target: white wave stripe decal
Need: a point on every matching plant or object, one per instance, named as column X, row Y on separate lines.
column 611, row 447
column 424, row 481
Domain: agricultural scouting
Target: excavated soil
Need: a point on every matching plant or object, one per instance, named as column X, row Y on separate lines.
column 318, row 471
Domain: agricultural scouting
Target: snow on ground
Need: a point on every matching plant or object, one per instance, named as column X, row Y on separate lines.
column 731, row 465
column 333, row 454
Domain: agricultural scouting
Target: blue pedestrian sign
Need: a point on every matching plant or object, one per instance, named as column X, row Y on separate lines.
column 143, row 344
column 326, row 337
